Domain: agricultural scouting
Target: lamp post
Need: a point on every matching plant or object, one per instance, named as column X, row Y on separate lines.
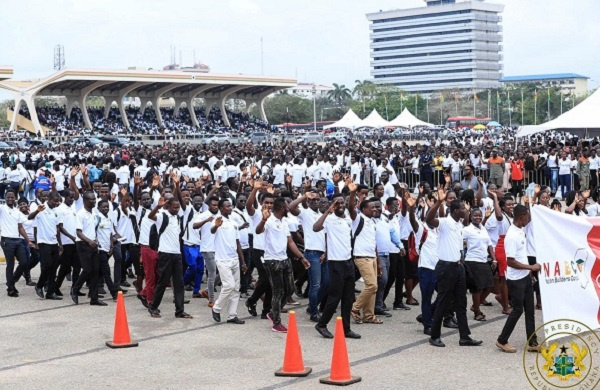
column 314, row 93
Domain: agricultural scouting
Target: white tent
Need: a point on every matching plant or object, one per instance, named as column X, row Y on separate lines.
column 584, row 118
column 374, row 120
column 406, row 119
column 349, row 121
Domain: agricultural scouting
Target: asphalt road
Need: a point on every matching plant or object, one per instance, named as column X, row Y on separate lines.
column 58, row 345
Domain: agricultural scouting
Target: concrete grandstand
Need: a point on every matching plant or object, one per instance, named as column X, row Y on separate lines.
column 150, row 87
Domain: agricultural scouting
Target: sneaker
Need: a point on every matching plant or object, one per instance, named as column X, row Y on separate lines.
column 279, row 328
column 292, row 302
column 244, row 296
column 270, row 317
column 189, row 287
column 251, row 309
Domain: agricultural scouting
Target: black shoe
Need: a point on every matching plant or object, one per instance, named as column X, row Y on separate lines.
column 469, row 342
column 13, row 294
column 356, row 291
column 144, row 300
column 184, row 315
column 400, row 306
column 80, row 294
column 427, row 331
column 98, row 303
column 236, row 321
column 119, row 288
column 100, row 296
column 352, row 335
column 436, row 342
column 125, row 284
column 251, row 308
column 102, row 291
column 298, row 292
column 384, row 313
column 53, row 297
column 69, row 277
column 315, row 318
column 57, row 292
column 323, row 331
column 154, row 313
column 75, row 296
column 40, row 292
column 420, row 318
column 448, row 323
column 130, row 274
column 30, row 283
column 264, row 315
column 189, row 287
column 216, row 316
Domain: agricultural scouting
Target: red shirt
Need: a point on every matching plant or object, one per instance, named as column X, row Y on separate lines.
column 516, row 170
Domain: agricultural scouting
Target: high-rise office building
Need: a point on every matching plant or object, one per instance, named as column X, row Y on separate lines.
column 444, row 45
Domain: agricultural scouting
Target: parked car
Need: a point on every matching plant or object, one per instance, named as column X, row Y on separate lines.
column 114, row 141
column 18, row 144
column 41, row 143
column 257, row 138
column 5, row 146
column 336, row 136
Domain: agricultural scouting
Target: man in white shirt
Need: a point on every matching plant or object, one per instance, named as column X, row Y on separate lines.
column 520, row 286
column 279, row 267
column 314, row 249
column 337, row 228
column 50, row 247
column 449, row 272
column 191, row 247
column 11, row 234
column 68, row 228
column 170, row 265
column 242, row 219
column 278, row 172
column 207, row 246
column 365, row 257
column 229, row 259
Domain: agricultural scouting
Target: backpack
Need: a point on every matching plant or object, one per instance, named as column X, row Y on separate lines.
column 413, row 254
column 359, row 228
column 156, row 233
column 529, row 163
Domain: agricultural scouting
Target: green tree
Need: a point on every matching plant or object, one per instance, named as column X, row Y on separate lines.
column 339, row 94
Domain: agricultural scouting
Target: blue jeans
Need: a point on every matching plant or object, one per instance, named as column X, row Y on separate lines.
column 565, row 184
column 195, row 262
column 553, row 179
column 318, row 276
column 427, row 284
column 384, row 260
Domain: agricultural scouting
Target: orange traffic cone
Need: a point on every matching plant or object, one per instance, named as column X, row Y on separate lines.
column 293, row 365
column 121, row 338
column 340, row 365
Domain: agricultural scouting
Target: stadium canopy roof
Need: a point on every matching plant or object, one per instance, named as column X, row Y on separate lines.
column 582, row 119
column 6, row 72
column 406, row 119
column 149, row 86
column 538, row 77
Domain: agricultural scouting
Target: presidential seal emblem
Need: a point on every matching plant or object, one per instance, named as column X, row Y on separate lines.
column 568, row 358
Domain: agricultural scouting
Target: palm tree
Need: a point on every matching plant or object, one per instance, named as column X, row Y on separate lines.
column 362, row 89
column 339, row 93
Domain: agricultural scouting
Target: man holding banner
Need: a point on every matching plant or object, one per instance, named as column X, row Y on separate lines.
column 519, row 281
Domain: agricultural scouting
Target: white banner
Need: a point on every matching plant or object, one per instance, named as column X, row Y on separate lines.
column 568, row 249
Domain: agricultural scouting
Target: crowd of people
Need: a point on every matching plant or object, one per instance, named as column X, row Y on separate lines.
column 144, row 123
column 286, row 221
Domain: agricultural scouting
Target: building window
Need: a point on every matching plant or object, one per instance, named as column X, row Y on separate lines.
column 380, row 30
column 385, row 76
column 423, row 64
column 432, row 34
column 413, row 17
column 422, row 45
column 433, row 82
column 439, row 53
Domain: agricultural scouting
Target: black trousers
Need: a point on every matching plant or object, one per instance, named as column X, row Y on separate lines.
column 105, row 272
column 341, row 289
column 281, row 278
column 90, row 266
column 69, row 261
column 451, row 284
column 123, row 262
column 49, row 262
column 396, row 275
column 169, row 266
column 246, row 279
column 262, row 284
column 521, row 293
column 13, row 248
column 593, row 179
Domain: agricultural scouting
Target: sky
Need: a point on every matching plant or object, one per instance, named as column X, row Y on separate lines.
column 325, row 41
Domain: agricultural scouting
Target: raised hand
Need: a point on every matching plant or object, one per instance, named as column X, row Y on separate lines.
column 174, row 178
column 161, row 202
column 312, row 195
column 41, row 208
column 536, row 189
column 480, row 180
column 447, row 178
column 410, row 202
column 137, row 178
column 586, row 194
column 123, row 191
column 219, row 221
column 288, row 179
column 257, row 184
column 266, row 213
column 441, row 195
column 74, row 172
column 488, row 212
column 352, row 186
column 155, row 180
column 270, row 189
column 253, row 170
column 337, row 177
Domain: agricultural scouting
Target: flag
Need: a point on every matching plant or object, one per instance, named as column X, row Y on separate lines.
column 498, row 97
column 441, row 97
column 402, row 96
column 570, row 275
column 475, row 97
column 548, row 94
column 535, row 94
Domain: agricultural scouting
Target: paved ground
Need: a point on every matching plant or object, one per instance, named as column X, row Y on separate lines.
column 59, row 345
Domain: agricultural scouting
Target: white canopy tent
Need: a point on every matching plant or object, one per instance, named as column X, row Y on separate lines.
column 581, row 120
column 406, row 119
column 374, row 120
column 349, row 121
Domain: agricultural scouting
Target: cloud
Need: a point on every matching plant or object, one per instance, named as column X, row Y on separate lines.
column 244, row 6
